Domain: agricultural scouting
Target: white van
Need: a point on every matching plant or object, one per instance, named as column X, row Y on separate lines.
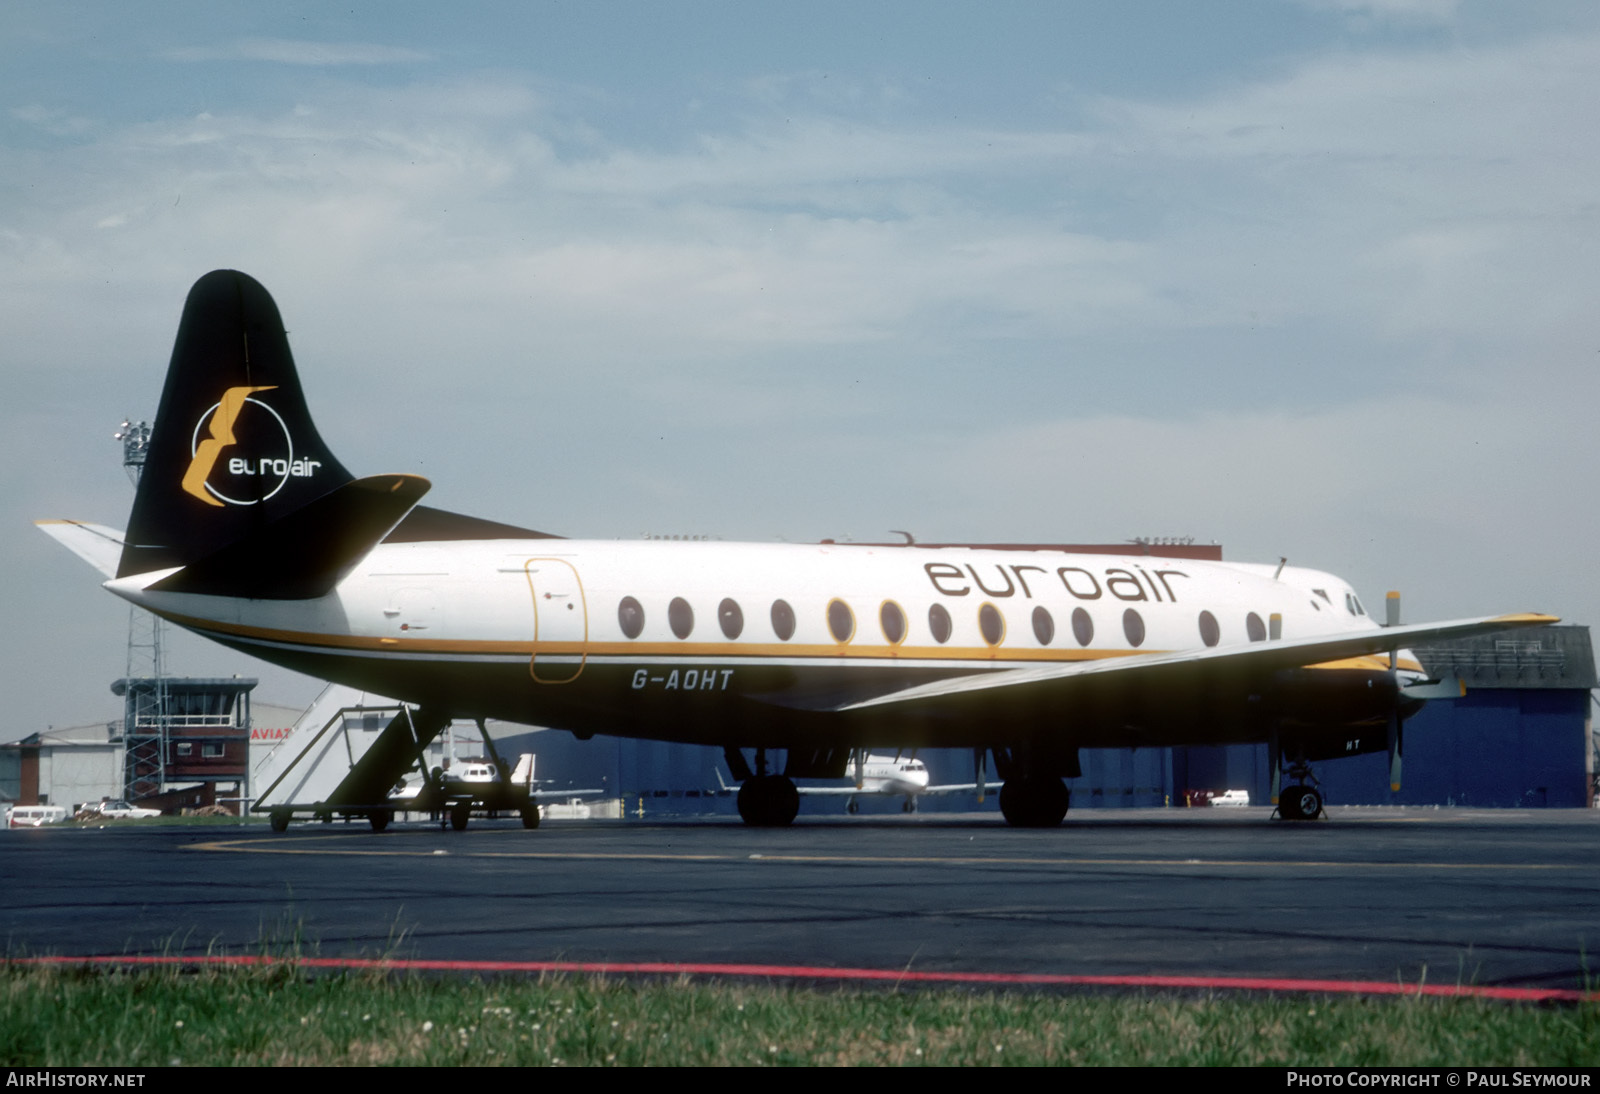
column 32, row 816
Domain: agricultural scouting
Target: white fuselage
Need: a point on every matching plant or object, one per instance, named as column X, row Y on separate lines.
column 679, row 640
column 893, row 775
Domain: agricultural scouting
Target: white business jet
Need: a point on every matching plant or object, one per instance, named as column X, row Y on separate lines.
column 248, row 530
column 886, row 776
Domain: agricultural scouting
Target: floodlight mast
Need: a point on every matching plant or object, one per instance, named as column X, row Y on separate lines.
column 145, row 711
column 135, row 438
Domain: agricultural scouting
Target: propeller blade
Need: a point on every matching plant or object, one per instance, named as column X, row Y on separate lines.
column 1275, row 761
column 1394, row 751
column 1391, row 618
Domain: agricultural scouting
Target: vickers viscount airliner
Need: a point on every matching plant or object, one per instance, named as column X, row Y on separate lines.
column 248, row 530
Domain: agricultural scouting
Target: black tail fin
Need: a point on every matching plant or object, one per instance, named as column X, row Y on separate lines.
column 233, row 448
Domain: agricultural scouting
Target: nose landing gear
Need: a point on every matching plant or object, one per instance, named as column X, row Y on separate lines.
column 1301, row 800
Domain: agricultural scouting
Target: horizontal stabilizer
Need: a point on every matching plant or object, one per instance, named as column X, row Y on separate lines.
column 96, row 544
column 305, row 554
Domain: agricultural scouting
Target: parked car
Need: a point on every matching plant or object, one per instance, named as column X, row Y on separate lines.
column 120, row 810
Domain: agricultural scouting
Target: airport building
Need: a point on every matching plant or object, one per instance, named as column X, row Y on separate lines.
column 182, row 743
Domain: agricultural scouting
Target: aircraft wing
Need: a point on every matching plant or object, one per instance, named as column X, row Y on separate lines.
column 954, row 787
column 1151, row 670
column 99, row 546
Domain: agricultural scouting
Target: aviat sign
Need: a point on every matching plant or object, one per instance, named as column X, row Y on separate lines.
column 1085, row 584
column 238, row 420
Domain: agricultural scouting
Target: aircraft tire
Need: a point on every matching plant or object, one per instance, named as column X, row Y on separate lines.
column 280, row 820
column 380, row 818
column 459, row 816
column 530, row 815
column 1034, row 801
column 1304, row 801
column 768, row 801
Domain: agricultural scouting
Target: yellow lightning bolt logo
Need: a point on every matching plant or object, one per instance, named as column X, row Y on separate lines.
column 205, row 456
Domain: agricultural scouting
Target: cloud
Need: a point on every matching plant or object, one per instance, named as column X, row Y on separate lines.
column 56, row 122
column 291, row 51
column 1392, row 11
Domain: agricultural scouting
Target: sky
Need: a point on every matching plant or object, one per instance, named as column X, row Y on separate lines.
column 1310, row 279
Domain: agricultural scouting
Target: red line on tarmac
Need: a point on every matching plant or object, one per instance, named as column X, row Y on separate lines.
column 816, row 972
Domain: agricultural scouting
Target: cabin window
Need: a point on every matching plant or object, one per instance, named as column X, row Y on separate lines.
column 1210, row 632
column 939, row 623
column 782, row 620
column 1256, row 629
column 1082, row 627
column 991, row 624
column 1133, row 627
column 893, row 621
column 841, row 621
column 680, row 617
column 1044, row 627
column 730, row 617
column 630, row 617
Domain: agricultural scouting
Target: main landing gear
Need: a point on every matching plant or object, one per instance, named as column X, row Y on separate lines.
column 1300, row 803
column 1034, row 801
column 1300, row 800
column 768, row 801
column 765, row 800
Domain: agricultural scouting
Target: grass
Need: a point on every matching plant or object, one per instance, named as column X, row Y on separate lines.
column 279, row 1015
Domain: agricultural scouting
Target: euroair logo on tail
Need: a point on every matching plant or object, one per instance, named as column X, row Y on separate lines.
column 237, row 421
